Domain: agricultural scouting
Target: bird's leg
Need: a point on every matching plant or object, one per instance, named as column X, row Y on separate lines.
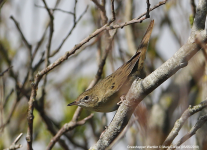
column 123, row 98
column 106, row 127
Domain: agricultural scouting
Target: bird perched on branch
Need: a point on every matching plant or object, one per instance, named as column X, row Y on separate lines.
column 105, row 95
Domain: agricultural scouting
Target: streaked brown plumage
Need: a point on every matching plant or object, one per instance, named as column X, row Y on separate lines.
column 105, row 95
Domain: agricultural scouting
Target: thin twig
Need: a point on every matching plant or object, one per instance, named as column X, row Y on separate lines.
column 39, row 62
column 156, row 6
column 47, row 53
column 30, row 116
column 29, row 46
column 74, row 11
column 69, row 33
column 2, row 73
column 102, row 61
column 179, row 123
column 101, row 6
column 7, row 97
column 18, row 138
column 98, row 37
column 49, row 124
column 50, row 34
column 98, row 5
column 1, row 4
column 12, row 109
column 116, row 26
column 67, row 127
column 113, row 13
column 48, row 10
column 14, row 145
column 39, row 43
column 198, row 125
column 148, row 8
column 56, row 9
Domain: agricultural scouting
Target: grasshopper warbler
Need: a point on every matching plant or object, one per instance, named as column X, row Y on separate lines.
column 105, row 95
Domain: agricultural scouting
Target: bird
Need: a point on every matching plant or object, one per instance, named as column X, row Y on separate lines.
column 105, row 95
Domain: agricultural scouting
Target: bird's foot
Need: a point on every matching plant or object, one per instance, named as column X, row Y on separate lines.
column 119, row 103
column 106, row 127
column 123, row 100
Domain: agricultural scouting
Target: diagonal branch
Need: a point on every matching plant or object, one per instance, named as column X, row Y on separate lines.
column 2, row 73
column 179, row 123
column 104, row 17
column 67, row 127
column 69, row 33
column 103, row 61
column 29, row 46
column 12, row 109
column 14, row 145
column 198, row 125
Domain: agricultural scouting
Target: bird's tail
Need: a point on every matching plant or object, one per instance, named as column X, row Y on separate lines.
column 143, row 46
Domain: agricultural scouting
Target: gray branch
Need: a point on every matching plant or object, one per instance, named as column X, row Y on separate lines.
column 180, row 122
column 193, row 130
column 141, row 88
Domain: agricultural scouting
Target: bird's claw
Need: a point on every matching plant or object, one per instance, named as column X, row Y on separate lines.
column 123, row 98
column 106, row 127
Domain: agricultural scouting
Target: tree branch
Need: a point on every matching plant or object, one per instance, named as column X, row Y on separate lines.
column 148, row 9
column 14, row 145
column 2, row 73
column 69, row 33
column 156, row 6
column 113, row 13
column 55, row 9
column 198, row 125
column 67, row 127
column 179, row 123
column 29, row 46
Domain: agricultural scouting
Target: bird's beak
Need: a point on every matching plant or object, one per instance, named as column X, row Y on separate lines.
column 73, row 103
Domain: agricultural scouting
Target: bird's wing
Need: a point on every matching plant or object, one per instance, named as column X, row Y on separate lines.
column 115, row 81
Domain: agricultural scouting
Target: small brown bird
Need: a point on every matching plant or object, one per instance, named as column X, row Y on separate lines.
column 105, row 95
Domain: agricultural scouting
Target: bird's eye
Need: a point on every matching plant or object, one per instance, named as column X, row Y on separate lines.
column 86, row 98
